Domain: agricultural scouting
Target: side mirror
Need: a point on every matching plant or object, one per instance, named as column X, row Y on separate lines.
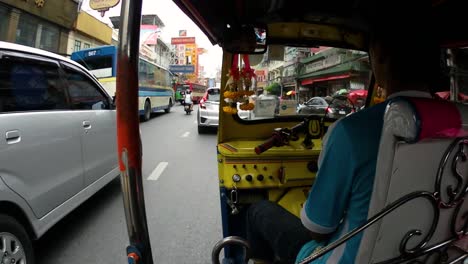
column 112, row 104
column 246, row 39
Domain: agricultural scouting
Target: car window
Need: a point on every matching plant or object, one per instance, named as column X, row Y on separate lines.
column 315, row 102
column 213, row 95
column 30, row 85
column 84, row 93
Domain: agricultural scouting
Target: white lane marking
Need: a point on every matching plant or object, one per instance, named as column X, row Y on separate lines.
column 154, row 176
column 186, row 134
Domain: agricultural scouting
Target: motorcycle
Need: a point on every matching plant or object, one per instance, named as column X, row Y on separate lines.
column 188, row 108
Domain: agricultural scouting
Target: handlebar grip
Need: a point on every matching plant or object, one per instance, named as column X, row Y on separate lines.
column 265, row 145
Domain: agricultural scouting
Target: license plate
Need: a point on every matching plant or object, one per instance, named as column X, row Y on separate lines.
column 342, row 112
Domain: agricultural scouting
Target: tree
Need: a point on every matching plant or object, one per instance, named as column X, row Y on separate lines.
column 274, row 88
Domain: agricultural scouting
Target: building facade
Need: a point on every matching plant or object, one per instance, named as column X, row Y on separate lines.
column 43, row 25
column 332, row 70
column 39, row 24
column 88, row 32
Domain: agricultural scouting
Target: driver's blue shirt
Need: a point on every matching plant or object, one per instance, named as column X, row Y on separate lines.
column 339, row 198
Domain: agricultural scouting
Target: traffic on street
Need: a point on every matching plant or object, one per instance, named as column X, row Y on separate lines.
column 233, row 132
column 180, row 181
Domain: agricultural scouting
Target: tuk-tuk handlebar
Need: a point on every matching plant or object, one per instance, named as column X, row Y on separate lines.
column 279, row 138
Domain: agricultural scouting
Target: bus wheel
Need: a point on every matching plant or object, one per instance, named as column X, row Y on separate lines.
column 147, row 114
column 168, row 109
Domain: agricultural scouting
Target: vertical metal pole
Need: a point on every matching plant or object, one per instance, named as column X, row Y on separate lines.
column 453, row 75
column 128, row 133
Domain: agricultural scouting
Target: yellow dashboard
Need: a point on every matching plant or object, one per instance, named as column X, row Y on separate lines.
column 279, row 167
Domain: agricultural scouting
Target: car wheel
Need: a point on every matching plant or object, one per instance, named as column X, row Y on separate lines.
column 15, row 244
column 147, row 114
column 168, row 109
column 201, row 129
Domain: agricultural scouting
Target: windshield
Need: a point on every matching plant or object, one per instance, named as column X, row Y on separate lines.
column 180, row 88
column 100, row 66
column 292, row 81
column 213, row 95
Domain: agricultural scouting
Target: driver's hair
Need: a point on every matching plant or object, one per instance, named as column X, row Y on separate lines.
column 403, row 47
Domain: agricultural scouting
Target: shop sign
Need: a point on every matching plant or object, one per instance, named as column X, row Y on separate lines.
column 182, row 40
column 102, row 5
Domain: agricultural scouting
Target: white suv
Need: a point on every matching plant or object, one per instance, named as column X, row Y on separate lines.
column 57, row 144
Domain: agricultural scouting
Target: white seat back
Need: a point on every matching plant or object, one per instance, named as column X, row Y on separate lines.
column 409, row 161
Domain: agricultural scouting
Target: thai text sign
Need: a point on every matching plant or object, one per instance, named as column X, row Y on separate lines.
column 182, row 40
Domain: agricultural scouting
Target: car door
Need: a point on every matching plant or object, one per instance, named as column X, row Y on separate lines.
column 40, row 137
column 98, row 122
column 312, row 106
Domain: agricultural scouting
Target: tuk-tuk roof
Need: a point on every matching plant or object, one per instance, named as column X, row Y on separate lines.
column 355, row 17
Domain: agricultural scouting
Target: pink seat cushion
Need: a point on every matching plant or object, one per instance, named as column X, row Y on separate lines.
column 437, row 118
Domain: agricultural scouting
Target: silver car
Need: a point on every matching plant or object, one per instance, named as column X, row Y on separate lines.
column 57, row 145
column 208, row 110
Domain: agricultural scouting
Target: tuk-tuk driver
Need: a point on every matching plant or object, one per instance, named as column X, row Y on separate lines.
column 339, row 198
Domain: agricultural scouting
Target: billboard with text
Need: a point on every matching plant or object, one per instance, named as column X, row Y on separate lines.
column 182, row 40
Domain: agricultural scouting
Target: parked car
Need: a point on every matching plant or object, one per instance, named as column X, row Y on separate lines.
column 208, row 110
column 333, row 107
column 57, row 149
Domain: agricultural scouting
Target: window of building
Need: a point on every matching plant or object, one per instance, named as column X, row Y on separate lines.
column 26, row 31
column 35, row 32
column 77, row 46
column 4, row 22
column 49, row 38
column 86, row 46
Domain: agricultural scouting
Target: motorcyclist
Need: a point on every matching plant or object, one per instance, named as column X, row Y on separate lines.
column 188, row 99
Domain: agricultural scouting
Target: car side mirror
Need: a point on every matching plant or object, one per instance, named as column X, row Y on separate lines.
column 112, row 104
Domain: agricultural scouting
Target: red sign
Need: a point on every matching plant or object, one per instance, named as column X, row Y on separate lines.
column 261, row 75
column 182, row 40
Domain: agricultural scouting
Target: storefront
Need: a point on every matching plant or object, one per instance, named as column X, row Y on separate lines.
column 332, row 72
column 37, row 24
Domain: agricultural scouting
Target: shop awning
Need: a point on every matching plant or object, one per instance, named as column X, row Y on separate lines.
column 341, row 71
column 322, row 79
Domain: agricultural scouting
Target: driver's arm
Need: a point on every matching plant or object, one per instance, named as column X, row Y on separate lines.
column 328, row 198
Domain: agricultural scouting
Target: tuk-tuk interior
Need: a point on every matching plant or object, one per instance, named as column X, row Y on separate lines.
column 275, row 157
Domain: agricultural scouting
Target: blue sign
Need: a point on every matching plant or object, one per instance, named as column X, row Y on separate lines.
column 182, row 68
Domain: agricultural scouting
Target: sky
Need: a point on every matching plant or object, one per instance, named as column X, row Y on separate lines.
column 174, row 20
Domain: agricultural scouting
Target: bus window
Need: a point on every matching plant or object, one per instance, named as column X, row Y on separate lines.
column 101, row 66
column 99, row 61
